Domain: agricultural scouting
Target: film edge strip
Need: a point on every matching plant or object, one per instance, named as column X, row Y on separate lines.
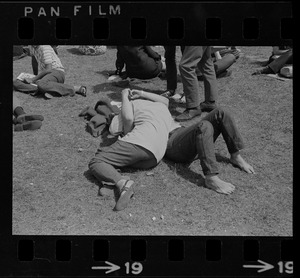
column 134, row 265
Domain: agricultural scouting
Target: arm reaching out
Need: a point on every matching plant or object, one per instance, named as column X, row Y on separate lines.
column 139, row 94
column 126, row 112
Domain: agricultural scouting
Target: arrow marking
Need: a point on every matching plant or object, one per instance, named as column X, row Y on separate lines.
column 263, row 266
column 111, row 268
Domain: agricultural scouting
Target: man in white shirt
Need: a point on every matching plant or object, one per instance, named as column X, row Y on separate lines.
column 144, row 124
column 149, row 133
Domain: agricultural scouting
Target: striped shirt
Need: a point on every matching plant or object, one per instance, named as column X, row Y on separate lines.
column 45, row 55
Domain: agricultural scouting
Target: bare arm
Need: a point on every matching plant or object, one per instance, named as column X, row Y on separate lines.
column 139, row 94
column 126, row 112
column 42, row 74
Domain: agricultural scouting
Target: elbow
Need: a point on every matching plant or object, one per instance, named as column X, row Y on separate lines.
column 166, row 101
column 127, row 125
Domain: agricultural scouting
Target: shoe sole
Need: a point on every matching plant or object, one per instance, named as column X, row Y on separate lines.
column 124, row 199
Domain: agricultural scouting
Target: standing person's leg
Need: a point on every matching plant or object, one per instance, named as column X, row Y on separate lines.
column 206, row 66
column 187, row 67
column 120, row 154
column 185, row 143
column 223, row 123
column 171, row 70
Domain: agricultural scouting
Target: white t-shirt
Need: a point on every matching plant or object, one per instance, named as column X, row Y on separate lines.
column 152, row 123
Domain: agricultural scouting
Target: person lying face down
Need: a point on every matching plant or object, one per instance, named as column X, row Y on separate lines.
column 144, row 124
column 147, row 133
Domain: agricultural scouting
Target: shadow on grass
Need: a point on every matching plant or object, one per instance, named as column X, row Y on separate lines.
column 103, row 87
column 183, row 170
column 90, row 177
column 106, row 73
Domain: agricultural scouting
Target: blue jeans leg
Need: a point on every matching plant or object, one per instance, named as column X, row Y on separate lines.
column 186, row 142
column 223, row 123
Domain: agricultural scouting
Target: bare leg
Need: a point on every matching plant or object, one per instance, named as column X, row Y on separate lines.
column 215, row 183
column 236, row 159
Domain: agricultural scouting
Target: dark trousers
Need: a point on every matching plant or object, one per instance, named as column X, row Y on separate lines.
column 171, row 67
column 52, row 82
column 185, row 143
column 120, row 154
column 277, row 64
column 193, row 57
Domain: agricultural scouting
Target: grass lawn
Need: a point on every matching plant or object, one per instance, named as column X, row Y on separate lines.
column 55, row 194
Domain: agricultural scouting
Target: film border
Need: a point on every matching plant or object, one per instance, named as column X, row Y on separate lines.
column 194, row 15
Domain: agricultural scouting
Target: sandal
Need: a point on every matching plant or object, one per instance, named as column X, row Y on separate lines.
column 82, row 91
column 168, row 93
column 125, row 195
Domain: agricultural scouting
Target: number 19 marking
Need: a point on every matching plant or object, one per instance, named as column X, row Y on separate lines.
column 286, row 267
column 136, row 268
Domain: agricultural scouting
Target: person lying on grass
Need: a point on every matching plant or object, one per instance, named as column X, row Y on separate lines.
column 149, row 133
column 51, row 77
column 143, row 125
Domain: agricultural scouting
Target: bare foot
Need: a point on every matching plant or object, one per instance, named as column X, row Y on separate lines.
column 236, row 159
column 216, row 184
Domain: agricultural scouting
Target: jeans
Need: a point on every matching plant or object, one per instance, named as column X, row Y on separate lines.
column 277, row 64
column 119, row 154
column 185, row 143
column 52, row 82
column 193, row 57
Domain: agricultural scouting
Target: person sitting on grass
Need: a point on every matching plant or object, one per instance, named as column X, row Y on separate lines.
column 23, row 121
column 140, row 62
column 51, row 77
column 277, row 63
column 151, row 133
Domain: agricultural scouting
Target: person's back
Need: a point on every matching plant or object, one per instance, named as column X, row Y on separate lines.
column 152, row 123
column 139, row 63
column 45, row 55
